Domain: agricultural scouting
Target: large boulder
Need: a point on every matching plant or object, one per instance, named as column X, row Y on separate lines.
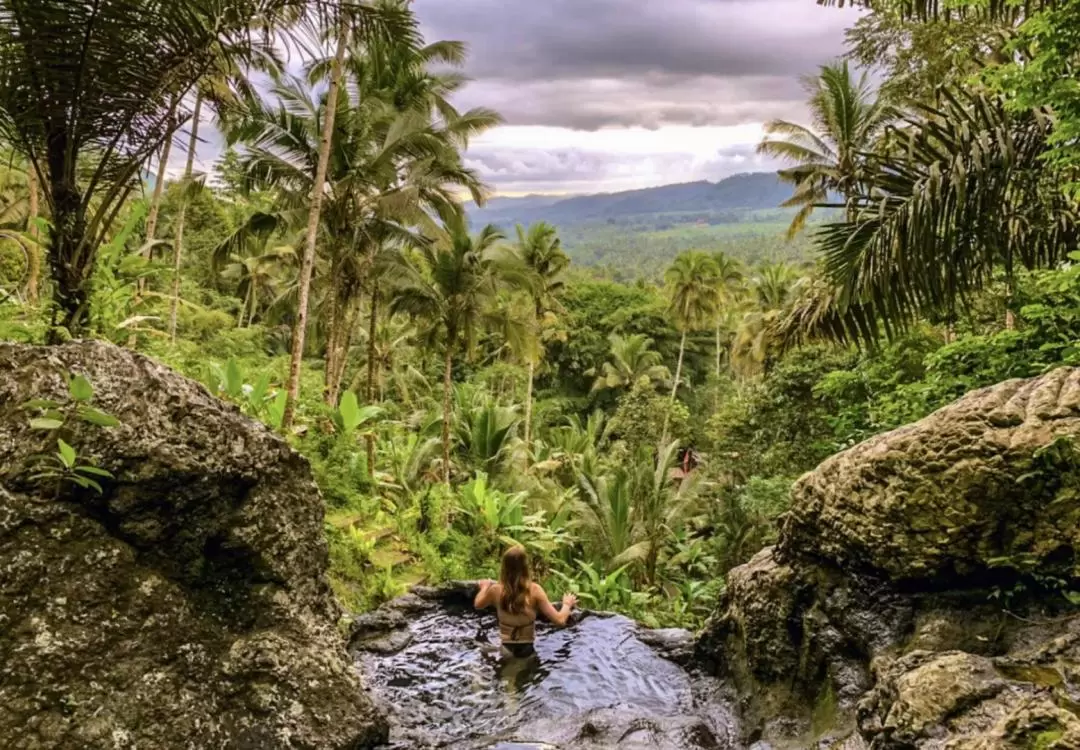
column 914, row 597
column 972, row 484
column 187, row 605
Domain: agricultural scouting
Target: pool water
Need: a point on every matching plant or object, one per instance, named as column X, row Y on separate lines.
column 592, row 685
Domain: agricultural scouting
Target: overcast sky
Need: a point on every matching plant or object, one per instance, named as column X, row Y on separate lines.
column 606, row 95
column 603, row 95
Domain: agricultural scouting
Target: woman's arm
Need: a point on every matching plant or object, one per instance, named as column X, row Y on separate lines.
column 485, row 597
column 543, row 605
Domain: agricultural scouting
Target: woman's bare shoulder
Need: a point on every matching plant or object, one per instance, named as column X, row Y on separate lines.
column 537, row 591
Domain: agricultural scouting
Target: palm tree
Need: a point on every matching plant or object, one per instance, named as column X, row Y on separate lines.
column 391, row 167
column 829, row 156
column 448, row 286
column 729, row 276
column 694, row 291
column 86, row 92
column 178, row 238
column 632, row 359
column 258, row 277
column 772, row 290
column 540, row 252
column 360, row 22
column 967, row 195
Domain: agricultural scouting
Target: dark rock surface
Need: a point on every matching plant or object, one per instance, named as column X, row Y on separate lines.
column 185, row 607
column 878, row 618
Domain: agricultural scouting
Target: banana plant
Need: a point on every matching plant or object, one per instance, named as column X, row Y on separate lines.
column 350, row 416
column 493, row 512
column 602, row 592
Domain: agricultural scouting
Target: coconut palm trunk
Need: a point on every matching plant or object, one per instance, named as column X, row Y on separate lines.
column 528, row 412
column 448, row 373
column 307, row 263
column 243, row 308
column 718, row 327
column 178, row 241
column 159, row 185
column 33, row 276
column 674, row 390
column 342, row 345
column 372, row 351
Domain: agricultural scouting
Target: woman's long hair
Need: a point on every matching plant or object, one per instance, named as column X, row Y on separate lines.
column 514, row 578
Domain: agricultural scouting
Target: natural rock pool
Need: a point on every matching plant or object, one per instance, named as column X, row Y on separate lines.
column 596, row 684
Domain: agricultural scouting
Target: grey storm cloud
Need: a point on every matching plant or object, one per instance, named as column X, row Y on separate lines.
column 587, row 64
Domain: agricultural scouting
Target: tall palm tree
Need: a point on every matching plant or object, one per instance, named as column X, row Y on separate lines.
column 360, row 22
column 828, row 157
column 729, row 276
column 694, row 292
column 448, row 285
column 393, row 164
column 632, row 359
column 181, row 218
column 540, row 253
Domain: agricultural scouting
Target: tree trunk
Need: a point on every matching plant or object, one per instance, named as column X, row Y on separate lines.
column 339, row 345
column 69, row 262
column 372, row 364
column 718, row 353
column 254, row 304
column 1010, row 316
column 178, row 240
column 159, row 186
column 307, row 264
column 448, row 373
column 333, row 328
column 344, row 345
column 678, row 369
column 243, row 308
column 33, row 277
column 528, row 412
column 674, row 392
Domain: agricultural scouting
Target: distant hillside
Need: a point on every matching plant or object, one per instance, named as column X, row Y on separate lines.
column 720, row 202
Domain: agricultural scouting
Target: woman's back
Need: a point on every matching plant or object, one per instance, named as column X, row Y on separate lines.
column 516, row 627
column 518, row 601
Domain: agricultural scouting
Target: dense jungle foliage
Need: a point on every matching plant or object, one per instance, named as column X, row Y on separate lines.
column 457, row 388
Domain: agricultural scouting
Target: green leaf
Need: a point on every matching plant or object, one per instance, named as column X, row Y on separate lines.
column 98, row 417
column 41, row 403
column 275, row 410
column 80, row 388
column 95, row 471
column 234, row 379
column 45, row 423
column 86, row 483
column 67, row 453
column 348, row 412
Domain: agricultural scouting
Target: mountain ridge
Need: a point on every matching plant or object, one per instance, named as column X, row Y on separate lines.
column 714, row 202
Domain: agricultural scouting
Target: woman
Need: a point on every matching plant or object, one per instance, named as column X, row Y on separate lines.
column 517, row 602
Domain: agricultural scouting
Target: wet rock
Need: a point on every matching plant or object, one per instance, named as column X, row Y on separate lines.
column 617, row 728
column 871, row 621
column 187, row 606
column 671, row 643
